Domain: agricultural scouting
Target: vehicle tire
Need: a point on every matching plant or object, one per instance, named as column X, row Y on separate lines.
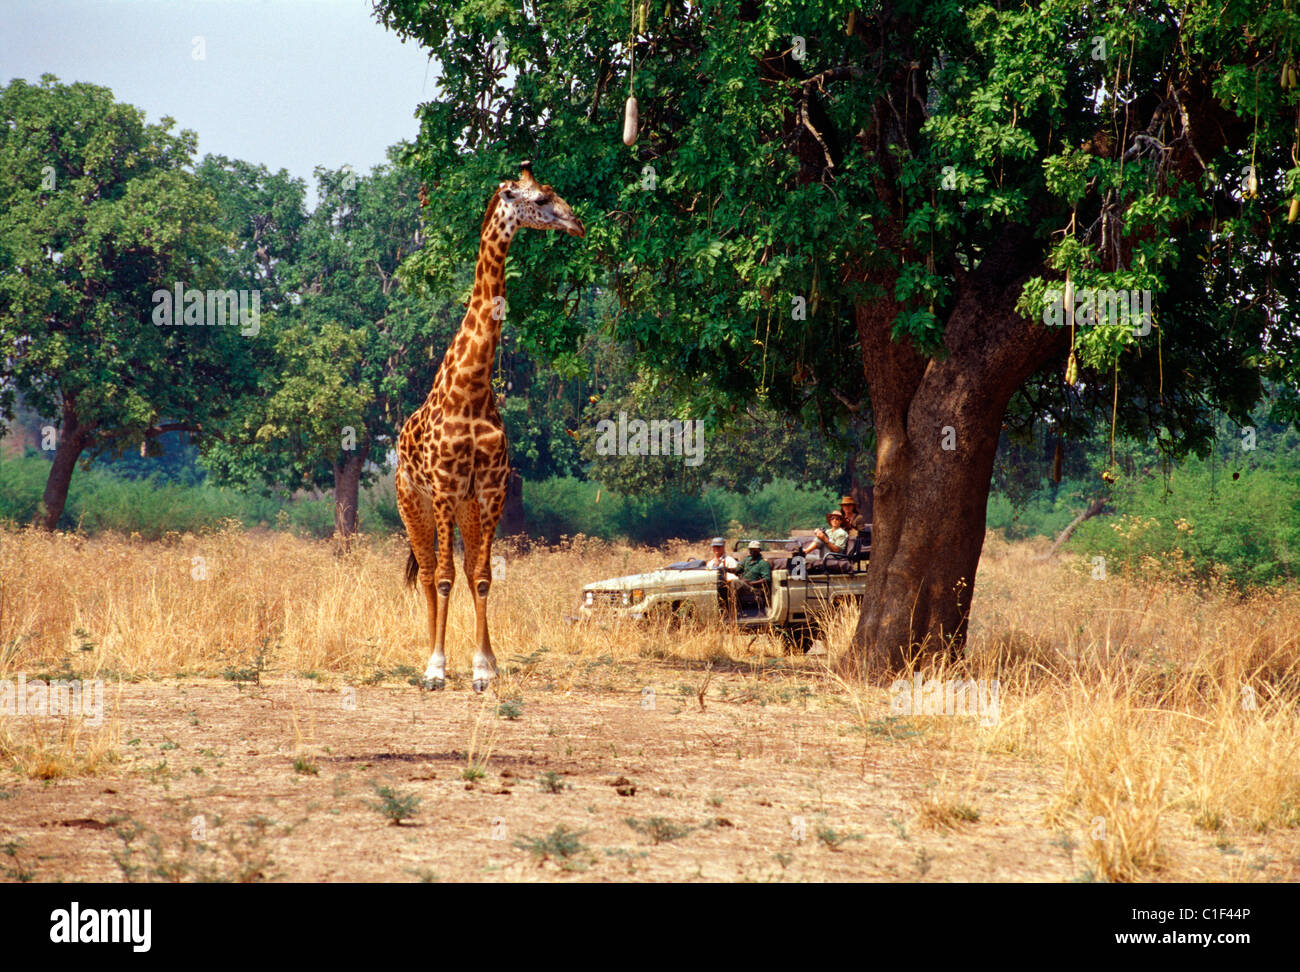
column 796, row 640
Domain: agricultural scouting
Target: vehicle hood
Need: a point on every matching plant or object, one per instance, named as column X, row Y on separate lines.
column 661, row 580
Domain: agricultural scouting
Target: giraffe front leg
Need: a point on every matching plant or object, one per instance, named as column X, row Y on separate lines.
column 435, row 672
column 478, row 549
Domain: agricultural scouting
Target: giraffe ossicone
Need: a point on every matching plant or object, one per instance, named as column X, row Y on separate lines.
column 452, row 458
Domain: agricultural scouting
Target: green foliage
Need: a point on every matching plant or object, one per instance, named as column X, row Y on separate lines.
column 21, row 483
column 561, row 845
column 551, row 782
column 836, row 839
column 1046, row 515
column 702, row 274
column 1234, row 514
column 659, row 830
column 263, row 214
column 511, row 709
column 351, row 354
column 99, row 214
column 886, row 163
column 1204, row 521
column 305, row 766
column 100, row 500
column 568, row 506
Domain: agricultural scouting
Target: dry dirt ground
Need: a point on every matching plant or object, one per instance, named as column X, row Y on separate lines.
column 218, row 780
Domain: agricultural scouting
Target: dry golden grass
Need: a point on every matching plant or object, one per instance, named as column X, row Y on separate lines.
column 1161, row 713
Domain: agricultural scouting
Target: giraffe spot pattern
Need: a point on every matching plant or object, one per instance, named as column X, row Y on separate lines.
column 453, row 459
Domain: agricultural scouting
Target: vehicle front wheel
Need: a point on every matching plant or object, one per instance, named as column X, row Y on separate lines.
column 797, row 639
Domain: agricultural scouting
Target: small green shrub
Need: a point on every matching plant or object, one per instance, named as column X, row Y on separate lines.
column 393, row 805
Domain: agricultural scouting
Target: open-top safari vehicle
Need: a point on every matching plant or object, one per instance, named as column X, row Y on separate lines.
column 804, row 588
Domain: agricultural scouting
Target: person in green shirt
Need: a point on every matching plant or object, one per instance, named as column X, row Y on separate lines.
column 755, row 576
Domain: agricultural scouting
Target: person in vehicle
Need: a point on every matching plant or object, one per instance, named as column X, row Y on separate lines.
column 834, row 540
column 754, row 577
column 854, row 521
column 720, row 557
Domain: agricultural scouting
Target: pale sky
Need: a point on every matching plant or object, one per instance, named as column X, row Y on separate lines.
column 286, row 83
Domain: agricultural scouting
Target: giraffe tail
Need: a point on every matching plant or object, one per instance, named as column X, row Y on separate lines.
column 412, row 569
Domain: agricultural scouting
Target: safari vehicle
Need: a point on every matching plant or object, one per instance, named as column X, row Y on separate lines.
column 804, row 589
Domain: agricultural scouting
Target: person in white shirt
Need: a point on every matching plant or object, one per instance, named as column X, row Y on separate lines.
column 834, row 540
column 720, row 558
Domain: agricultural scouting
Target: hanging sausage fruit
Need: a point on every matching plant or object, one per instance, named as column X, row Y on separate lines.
column 630, row 119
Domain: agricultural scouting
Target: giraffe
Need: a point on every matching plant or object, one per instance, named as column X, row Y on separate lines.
column 452, row 460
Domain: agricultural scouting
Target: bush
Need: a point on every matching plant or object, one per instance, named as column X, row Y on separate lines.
column 1247, row 529
column 1046, row 514
column 567, row 506
column 99, row 500
column 22, row 481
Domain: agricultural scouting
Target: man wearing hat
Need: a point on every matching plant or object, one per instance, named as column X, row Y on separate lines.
column 720, row 558
column 755, row 574
column 834, row 540
column 854, row 521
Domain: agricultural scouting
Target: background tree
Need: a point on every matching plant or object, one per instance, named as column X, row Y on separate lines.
column 745, row 450
column 97, row 211
column 265, row 214
column 351, row 353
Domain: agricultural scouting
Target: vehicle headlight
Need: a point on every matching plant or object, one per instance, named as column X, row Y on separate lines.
column 626, row 599
column 638, row 596
column 591, row 597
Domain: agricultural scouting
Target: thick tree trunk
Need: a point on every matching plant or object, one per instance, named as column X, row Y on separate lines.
column 347, row 492
column 73, row 438
column 937, row 421
column 512, row 514
column 932, row 488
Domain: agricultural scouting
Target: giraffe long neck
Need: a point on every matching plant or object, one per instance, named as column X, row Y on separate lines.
column 470, row 358
column 487, row 305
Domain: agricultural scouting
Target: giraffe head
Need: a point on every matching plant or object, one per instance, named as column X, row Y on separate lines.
column 526, row 202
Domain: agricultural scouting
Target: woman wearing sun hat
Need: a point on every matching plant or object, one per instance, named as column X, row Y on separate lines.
column 832, row 540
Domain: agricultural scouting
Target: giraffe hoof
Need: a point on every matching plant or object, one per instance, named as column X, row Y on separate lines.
column 480, row 684
column 433, row 684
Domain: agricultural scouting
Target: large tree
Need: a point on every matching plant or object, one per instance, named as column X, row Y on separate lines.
column 98, row 213
column 847, row 209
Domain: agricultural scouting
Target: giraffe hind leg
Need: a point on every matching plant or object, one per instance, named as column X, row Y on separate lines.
column 437, row 580
column 423, row 568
